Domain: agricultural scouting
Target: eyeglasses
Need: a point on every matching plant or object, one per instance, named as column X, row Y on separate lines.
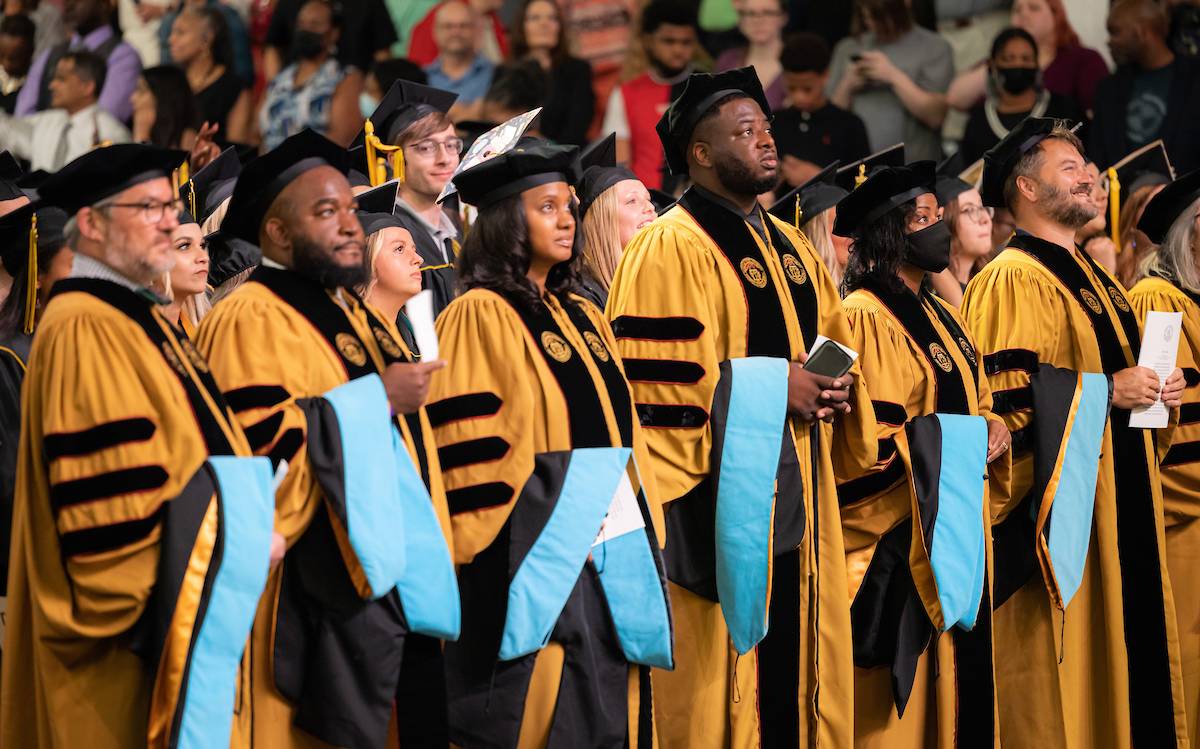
column 152, row 211
column 429, row 148
column 977, row 213
column 758, row 15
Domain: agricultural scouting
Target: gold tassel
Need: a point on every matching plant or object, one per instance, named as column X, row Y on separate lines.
column 1114, row 207
column 376, row 164
column 861, row 177
column 183, row 175
column 31, row 280
column 192, row 199
column 799, row 213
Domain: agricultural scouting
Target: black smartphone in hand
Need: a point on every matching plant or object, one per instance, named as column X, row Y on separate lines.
column 829, row 360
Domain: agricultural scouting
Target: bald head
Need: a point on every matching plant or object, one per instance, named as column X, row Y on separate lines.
column 1137, row 33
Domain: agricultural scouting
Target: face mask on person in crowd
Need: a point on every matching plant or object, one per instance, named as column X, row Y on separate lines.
column 929, row 248
column 367, row 104
column 307, row 45
column 1016, row 80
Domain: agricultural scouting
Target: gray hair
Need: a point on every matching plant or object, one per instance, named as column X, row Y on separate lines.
column 1175, row 258
column 71, row 235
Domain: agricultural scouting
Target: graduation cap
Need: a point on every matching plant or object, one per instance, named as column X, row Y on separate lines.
column 700, row 92
column 10, row 172
column 949, row 185
column 515, row 171
column 24, row 233
column 376, row 206
column 856, row 172
column 973, row 174
column 814, row 197
column 264, row 178
column 598, row 162
column 883, row 191
column 210, row 186
column 1168, row 205
column 106, row 171
column 1148, row 166
column 403, row 104
column 229, row 256
column 999, row 161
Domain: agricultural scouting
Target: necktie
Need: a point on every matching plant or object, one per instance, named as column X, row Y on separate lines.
column 60, row 153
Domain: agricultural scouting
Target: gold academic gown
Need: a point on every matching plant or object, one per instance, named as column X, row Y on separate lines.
column 268, row 357
column 520, row 389
column 695, row 293
column 120, row 416
column 1180, row 470
column 952, row 701
column 1106, row 673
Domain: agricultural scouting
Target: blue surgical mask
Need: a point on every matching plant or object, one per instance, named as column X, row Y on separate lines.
column 367, row 104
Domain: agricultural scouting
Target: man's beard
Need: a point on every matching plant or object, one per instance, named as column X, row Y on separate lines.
column 312, row 262
column 738, row 177
column 1062, row 207
column 666, row 72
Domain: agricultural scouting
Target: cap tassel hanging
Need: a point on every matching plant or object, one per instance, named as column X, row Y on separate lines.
column 799, row 213
column 31, row 280
column 861, row 177
column 1114, row 207
column 376, row 170
column 192, row 199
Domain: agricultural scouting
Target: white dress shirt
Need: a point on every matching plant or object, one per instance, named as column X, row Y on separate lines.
column 39, row 138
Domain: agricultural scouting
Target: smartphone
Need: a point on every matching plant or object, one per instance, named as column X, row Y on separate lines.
column 829, row 360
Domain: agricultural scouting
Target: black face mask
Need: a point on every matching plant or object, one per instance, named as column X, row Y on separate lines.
column 307, row 45
column 1016, row 80
column 929, row 248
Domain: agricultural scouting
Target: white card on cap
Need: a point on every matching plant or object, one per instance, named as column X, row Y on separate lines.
column 420, row 314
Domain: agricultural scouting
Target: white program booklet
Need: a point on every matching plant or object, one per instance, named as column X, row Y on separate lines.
column 1160, row 345
column 420, row 314
column 624, row 515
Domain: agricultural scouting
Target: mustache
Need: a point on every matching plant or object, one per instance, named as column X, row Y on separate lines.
column 352, row 244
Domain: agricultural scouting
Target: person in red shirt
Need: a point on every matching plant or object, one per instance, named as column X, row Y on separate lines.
column 422, row 49
column 669, row 38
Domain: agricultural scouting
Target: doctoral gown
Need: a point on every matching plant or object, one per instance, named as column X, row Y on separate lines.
column 1106, row 671
column 558, row 633
column 334, row 635
column 1180, row 470
column 140, row 536
column 915, row 684
column 13, row 355
column 707, row 315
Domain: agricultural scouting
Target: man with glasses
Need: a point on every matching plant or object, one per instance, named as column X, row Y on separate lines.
column 413, row 117
column 142, row 529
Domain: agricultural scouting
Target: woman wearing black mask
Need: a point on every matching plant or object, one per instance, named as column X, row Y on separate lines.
column 315, row 90
column 916, row 524
column 1015, row 92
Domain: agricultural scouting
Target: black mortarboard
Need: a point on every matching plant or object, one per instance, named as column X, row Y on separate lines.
column 403, row 104
column 855, row 173
column 817, row 195
column 264, row 178
column 104, row 172
column 14, row 234
column 229, row 256
column 883, row 191
column 211, row 185
column 1144, row 167
column 700, row 92
column 515, row 171
column 1165, row 207
column 10, row 172
column 376, row 206
column 357, row 173
column 999, row 161
column 598, row 162
column 949, row 185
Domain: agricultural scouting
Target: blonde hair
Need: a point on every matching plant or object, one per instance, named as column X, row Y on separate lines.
column 819, row 230
column 213, row 222
column 1135, row 245
column 601, row 238
column 374, row 247
column 1174, row 259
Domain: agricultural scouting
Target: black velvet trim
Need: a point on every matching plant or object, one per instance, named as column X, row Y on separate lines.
column 1189, row 413
column 615, row 384
column 1186, row 452
column 478, row 497
column 973, row 676
column 106, row 485
column 108, row 537
column 459, row 407
column 1010, row 401
column 1010, row 359
column 99, row 437
column 256, row 396
column 887, row 448
column 667, row 416
column 286, row 448
column 1191, row 376
column 632, row 327
column 893, row 414
column 473, row 451
column 262, row 433
column 779, row 671
column 691, row 555
column 871, row 484
column 663, row 370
